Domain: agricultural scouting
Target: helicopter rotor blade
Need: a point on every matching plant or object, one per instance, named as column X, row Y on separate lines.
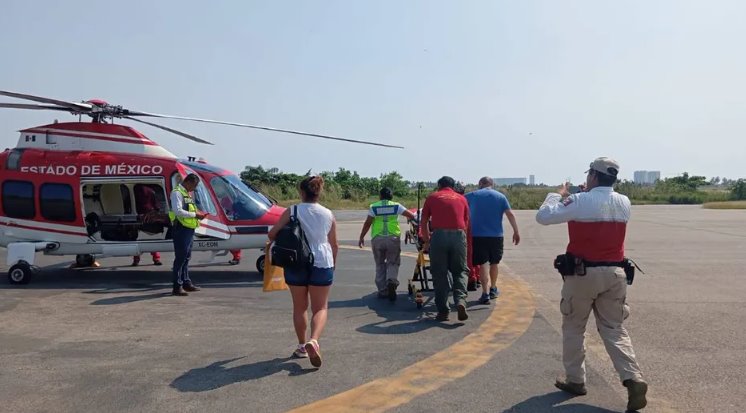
column 174, row 131
column 243, row 125
column 32, row 106
column 72, row 106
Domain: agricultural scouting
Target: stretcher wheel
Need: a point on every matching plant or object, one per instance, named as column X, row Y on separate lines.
column 419, row 299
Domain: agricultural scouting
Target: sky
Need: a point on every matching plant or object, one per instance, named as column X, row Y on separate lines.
column 470, row 88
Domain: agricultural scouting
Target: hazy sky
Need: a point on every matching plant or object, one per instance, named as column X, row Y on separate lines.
column 471, row 88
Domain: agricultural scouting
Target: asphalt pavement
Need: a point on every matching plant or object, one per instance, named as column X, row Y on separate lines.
column 113, row 339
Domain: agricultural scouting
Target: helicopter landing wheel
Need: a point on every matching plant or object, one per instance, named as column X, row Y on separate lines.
column 260, row 263
column 84, row 260
column 20, row 273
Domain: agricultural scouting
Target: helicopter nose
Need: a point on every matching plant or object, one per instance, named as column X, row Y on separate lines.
column 276, row 212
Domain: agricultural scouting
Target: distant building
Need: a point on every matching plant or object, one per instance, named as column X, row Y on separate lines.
column 509, row 181
column 647, row 177
column 531, row 180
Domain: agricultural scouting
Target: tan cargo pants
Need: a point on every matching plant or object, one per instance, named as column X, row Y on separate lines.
column 603, row 290
column 387, row 255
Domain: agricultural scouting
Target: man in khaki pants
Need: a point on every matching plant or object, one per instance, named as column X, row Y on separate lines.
column 597, row 223
column 383, row 217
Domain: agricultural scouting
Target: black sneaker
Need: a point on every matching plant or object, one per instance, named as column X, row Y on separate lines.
column 636, row 391
column 442, row 317
column 391, row 291
column 577, row 389
column 484, row 299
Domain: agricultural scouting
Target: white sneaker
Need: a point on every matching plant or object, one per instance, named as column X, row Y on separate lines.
column 300, row 352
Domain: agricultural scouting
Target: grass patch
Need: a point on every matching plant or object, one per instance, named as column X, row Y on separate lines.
column 725, row 205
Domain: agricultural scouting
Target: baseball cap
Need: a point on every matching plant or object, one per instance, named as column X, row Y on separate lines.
column 605, row 165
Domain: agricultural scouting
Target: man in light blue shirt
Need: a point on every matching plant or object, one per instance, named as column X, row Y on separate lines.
column 487, row 207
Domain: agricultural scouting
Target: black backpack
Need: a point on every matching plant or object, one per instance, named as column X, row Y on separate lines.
column 291, row 249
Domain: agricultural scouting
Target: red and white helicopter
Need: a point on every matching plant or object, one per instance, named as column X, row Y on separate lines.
column 79, row 188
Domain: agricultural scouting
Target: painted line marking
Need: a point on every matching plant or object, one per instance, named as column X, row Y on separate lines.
column 509, row 319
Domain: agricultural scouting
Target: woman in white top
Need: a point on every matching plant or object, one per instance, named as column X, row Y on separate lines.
column 320, row 229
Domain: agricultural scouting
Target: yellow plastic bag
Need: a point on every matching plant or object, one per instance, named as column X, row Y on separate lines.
column 274, row 276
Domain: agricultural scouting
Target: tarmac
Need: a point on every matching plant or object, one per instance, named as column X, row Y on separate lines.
column 112, row 339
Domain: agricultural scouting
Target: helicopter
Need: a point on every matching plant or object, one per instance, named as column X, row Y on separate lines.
column 101, row 188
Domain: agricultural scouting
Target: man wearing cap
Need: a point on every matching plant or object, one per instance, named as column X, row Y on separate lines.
column 597, row 223
column 383, row 216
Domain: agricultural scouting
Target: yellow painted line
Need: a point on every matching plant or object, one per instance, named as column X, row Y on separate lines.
column 509, row 319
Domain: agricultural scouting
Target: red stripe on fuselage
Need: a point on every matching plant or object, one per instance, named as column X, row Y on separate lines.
column 58, row 231
column 597, row 241
column 214, row 228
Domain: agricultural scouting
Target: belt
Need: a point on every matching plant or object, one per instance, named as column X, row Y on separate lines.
column 603, row 263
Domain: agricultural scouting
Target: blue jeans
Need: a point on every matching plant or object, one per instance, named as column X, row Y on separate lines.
column 182, row 238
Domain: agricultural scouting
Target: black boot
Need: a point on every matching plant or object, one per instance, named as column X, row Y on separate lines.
column 191, row 287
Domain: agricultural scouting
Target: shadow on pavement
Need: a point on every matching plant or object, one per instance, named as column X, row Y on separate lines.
column 216, row 375
column 130, row 299
column 114, row 280
column 549, row 403
column 400, row 317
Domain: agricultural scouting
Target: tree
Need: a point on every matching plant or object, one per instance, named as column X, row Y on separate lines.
column 395, row 182
column 684, row 182
column 738, row 190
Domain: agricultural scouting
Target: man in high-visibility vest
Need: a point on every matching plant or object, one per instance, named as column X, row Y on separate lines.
column 184, row 219
column 383, row 217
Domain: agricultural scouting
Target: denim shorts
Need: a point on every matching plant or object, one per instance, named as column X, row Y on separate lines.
column 317, row 277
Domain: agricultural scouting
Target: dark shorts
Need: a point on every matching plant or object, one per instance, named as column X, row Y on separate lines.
column 302, row 277
column 486, row 249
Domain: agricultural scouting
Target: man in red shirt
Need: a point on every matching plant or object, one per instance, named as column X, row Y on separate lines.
column 448, row 213
column 145, row 201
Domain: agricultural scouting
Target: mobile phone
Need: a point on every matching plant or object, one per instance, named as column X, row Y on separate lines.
column 574, row 189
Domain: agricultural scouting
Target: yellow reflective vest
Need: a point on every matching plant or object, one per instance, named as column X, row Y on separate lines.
column 385, row 219
column 191, row 223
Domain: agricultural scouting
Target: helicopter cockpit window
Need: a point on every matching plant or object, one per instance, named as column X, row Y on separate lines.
column 201, row 194
column 239, row 202
column 14, row 159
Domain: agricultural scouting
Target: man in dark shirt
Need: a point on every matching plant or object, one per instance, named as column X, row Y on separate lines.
column 145, row 202
column 448, row 214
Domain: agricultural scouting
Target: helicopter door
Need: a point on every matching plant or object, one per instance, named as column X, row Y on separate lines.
column 212, row 226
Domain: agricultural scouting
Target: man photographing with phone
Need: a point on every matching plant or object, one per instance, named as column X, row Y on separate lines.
column 594, row 279
column 184, row 219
